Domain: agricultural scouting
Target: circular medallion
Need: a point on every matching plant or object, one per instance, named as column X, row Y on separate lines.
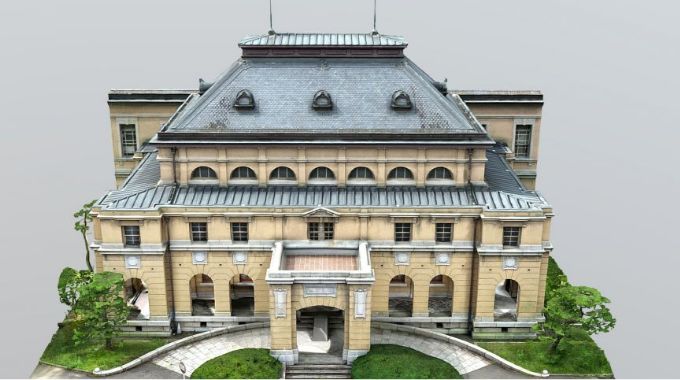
column 402, row 257
column 443, row 258
column 132, row 261
column 199, row 257
column 239, row 257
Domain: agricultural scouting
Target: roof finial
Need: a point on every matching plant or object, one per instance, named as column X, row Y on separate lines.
column 271, row 23
column 375, row 16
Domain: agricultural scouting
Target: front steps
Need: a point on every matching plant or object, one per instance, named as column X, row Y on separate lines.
column 319, row 371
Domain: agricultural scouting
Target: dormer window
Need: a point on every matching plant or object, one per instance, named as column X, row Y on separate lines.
column 322, row 101
column 401, row 101
column 244, row 100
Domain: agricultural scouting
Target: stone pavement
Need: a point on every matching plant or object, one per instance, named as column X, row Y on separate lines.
column 462, row 360
column 144, row 371
column 195, row 354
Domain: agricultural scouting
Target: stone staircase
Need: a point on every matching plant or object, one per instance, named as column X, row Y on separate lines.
column 319, row 371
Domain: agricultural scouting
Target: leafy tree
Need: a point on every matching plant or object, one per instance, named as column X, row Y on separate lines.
column 573, row 308
column 70, row 281
column 84, row 216
column 100, row 309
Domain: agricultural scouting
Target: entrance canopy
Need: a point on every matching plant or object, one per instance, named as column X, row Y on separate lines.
column 350, row 264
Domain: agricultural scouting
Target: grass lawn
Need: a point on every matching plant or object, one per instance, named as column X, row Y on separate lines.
column 387, row 361
column 578, row 356
column 248, row 363
column 87, row 357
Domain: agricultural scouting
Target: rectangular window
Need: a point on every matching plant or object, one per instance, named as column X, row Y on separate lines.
column 320, row 231
column 199, row 231
column 402, row 232
column 128, row 139
column 443, row 233
column 239, row 231
column 522, row 140
column 131, row 236
column 328, row 231
column 511, row 236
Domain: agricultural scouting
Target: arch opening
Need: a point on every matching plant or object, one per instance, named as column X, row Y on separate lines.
column 440, row 296
column 243, row 174
column 282, row 174
column 506, row 300
column 400, row 301
column 320, row 333
column 202, row 291
column 361, row 175
column 137, row 298
column 242, row 291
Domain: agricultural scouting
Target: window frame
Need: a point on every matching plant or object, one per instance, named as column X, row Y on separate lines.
column 527, row 132
column 403, row 232
column 124, row 127
column 354, row 178
column 236, row 174
column 314, row 175
column 238, row 230
column 511, row 239
column 127, row 235
column 194, row 232
column 197, row 175
column 282, row 180
column 440, row 231
column 320, row 230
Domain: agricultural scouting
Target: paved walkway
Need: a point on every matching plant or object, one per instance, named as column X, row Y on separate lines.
column 195, row 354
column 462, row 360
column 144, row 371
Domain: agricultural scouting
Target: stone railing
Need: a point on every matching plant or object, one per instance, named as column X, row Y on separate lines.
column 490, row 356
column 179, row 343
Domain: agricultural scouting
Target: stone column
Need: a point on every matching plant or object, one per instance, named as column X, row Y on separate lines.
column 282, row 324
column 359, row 317
column 421, row 293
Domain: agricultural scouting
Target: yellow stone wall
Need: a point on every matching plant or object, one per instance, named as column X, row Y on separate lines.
column 302, row 161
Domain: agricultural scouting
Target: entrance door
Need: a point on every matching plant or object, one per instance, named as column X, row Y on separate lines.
column 320, row 335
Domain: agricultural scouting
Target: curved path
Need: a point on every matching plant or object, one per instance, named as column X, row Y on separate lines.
column 197, row 353
column 467, row 358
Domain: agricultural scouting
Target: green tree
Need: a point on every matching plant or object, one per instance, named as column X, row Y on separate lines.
column 573, row 308
column 100, row 309
column 70, row 281
column 84, row 216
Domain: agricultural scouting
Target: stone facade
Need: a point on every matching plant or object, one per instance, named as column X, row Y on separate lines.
column 206, row 251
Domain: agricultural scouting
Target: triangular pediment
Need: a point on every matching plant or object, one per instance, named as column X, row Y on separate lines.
column 321, row 212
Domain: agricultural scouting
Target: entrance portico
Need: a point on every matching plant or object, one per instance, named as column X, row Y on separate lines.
column 319, row 285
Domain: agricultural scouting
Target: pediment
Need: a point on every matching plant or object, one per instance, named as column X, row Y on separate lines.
column 321, row 212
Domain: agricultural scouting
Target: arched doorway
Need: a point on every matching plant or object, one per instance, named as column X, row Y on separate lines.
column 400, row 300
column 440, row 296
column 137, row 298
column 202, row 291
column 320, row 334
column 506, row 299
column 242, row 291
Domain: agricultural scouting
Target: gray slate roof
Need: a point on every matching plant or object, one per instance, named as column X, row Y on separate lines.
column 361, row 89
column 140, row 191
column 323, row 39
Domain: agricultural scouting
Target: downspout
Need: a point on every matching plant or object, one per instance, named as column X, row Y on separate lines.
column 473, row 281
column 173, row 322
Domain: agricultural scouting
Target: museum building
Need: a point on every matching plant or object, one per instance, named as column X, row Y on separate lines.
column 322, row 183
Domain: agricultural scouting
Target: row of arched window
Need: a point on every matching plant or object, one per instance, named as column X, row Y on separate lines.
column 362, row 175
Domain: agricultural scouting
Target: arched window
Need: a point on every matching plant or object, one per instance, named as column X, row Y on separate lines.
column 322, row 173
column 244, row 100
column 282, row 173
column 243, row 173
column 203, row 172
column 400, row 173
column 361, row 173
column 322, row 101
column 401, row 101
column 440, row 173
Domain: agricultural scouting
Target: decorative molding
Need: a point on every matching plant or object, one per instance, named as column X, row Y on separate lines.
column 360, row 303
column 319, row 290
column 239, row 257
column 402, row 258
column 199, row 257
column 280, row 303
column 133, row 262
column 442, row 258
